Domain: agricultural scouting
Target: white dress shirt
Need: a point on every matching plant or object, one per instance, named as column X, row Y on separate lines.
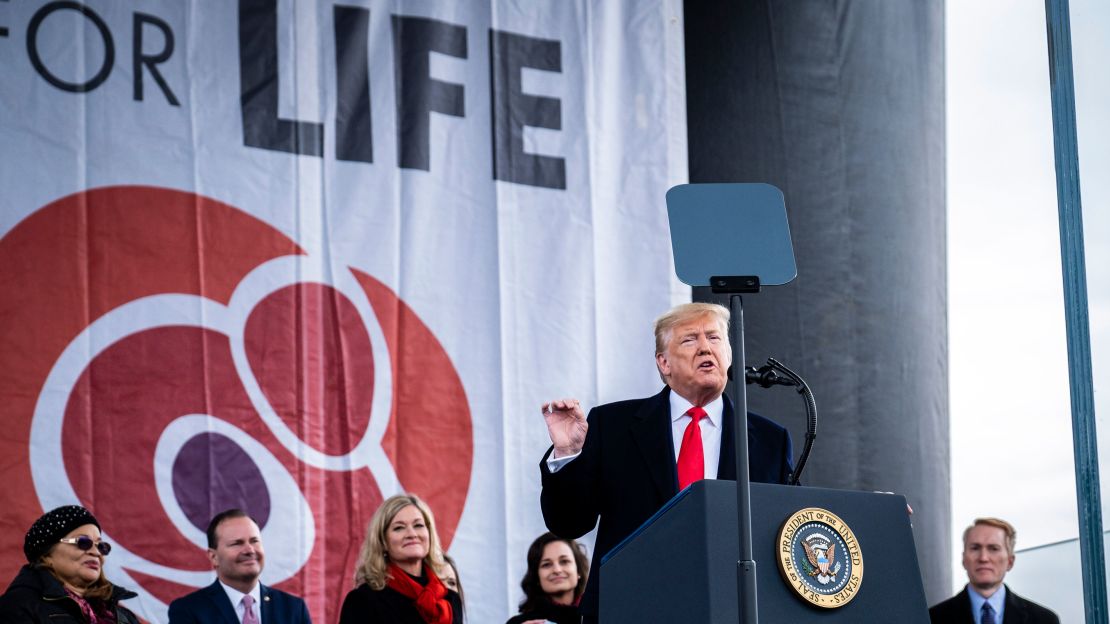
column 997, row 600
column 236, row 598
column 710, row 430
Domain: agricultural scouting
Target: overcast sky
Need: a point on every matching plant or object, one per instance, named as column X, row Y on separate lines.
column 1010, row 410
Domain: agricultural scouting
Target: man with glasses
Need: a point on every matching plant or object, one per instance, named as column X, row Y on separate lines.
column 236, row 553
column 988, row 556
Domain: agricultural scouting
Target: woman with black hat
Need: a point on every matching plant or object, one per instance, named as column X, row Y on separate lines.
column 63, row 581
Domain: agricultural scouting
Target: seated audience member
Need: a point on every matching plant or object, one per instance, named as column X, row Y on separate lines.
column 553, row 585
column 988, row 556
column 451, row 579
column 237, row 596
column 396, row 579
column 63, row 581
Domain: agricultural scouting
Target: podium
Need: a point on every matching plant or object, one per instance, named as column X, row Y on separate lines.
column 680, row 566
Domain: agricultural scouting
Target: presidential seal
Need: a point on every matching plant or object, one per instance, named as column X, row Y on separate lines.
column 820, row 558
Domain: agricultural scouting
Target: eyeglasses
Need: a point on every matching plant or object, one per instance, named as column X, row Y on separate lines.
column 84, row 542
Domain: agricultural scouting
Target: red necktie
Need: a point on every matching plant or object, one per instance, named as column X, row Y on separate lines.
column 691, row 459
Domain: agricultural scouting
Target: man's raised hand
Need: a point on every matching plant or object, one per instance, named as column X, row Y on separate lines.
column 566, row 425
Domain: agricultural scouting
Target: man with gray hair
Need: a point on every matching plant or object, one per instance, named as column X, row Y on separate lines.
column 627, row 459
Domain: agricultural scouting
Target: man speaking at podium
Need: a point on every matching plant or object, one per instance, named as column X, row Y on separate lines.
column 629, row 458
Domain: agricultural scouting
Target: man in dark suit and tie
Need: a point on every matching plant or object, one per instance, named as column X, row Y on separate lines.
column 235, row 550
column 988, row 556
column 629, row 458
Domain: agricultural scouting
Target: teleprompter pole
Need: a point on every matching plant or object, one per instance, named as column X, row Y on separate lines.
column 745, row 567
column 749, row 246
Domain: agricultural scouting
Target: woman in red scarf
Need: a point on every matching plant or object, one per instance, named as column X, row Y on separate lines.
column 395, row 578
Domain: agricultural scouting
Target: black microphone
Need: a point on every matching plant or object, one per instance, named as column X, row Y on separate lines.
column 765, row 376
column 774, row 373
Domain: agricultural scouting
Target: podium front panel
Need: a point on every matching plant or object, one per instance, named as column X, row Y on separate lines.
column 681, row 565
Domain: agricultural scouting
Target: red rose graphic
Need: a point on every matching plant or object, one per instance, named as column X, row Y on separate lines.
column 164, row 356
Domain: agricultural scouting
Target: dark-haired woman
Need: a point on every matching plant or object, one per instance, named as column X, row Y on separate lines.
column 449, row 574
column 63, row 581
column 554, row 582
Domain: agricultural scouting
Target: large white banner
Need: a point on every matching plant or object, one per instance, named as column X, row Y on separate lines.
column 300, row 256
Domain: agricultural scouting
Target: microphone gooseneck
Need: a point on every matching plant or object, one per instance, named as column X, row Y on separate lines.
column 774, row 373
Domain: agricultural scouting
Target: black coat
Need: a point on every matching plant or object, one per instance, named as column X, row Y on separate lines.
column 388, row 606
column 1017, row 610
column 36, row 597
column 626, row 472
column 560, row 614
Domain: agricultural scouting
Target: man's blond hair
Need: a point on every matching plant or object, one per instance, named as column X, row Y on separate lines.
column 664, row 325
column 998, row 523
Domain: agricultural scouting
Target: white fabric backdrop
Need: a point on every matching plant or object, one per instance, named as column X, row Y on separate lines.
column 530, row 291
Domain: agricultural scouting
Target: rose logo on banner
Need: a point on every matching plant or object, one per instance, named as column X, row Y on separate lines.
column 167, row 356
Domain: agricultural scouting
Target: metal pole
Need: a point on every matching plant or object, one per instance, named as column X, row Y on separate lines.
column 1085, row 442
column 745, row 567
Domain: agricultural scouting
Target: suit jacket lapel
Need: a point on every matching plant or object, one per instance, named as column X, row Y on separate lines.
column 1013, row 614
column 265, row 609
column 651, row 430
column 222, row 604
column 726, row 467
column 965, row 607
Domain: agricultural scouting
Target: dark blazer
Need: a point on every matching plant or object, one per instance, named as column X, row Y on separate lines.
column 626, row 472
column 210, row 605
column 957, row 610
column 549, row 612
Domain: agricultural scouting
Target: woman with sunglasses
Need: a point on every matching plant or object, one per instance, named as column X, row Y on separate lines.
column 63, row 581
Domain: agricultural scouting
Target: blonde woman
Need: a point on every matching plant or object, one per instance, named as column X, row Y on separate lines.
column 395, row 580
